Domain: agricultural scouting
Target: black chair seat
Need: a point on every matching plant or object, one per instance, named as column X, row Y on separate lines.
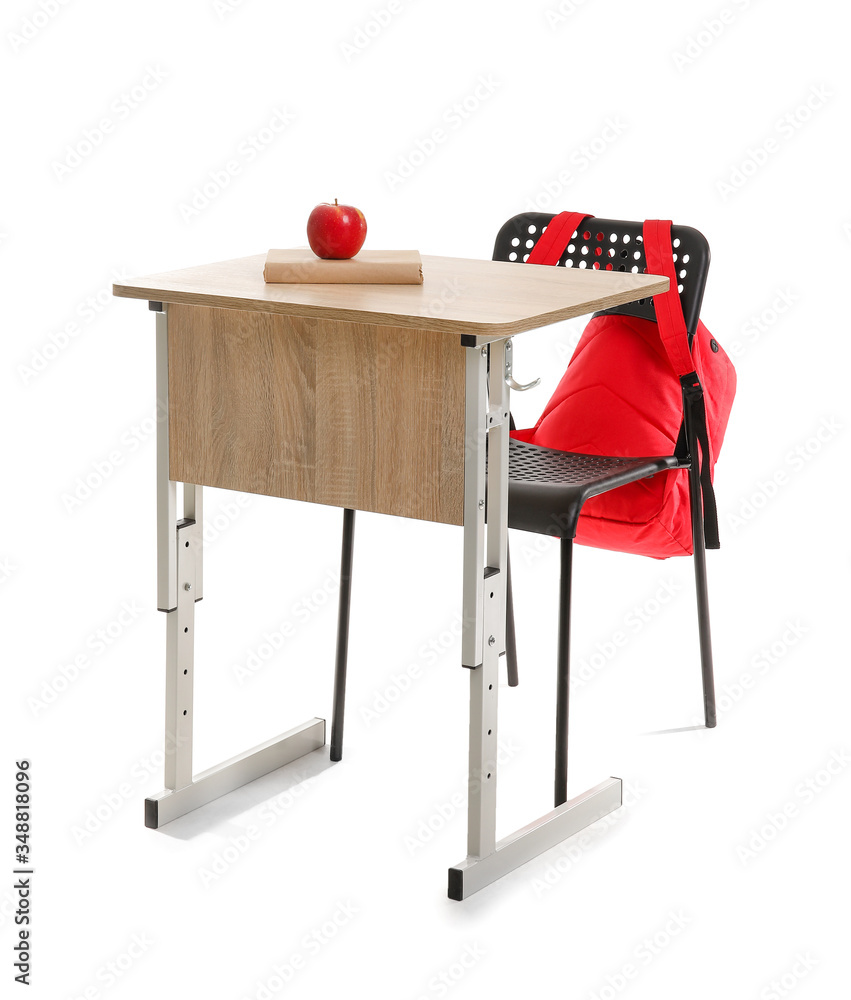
column 547, row 488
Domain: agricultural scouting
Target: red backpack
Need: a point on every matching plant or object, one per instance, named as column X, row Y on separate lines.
column 623, row 395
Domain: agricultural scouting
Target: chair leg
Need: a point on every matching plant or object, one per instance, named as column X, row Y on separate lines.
column 702, row 590
column 342, row 634
column 510, row 637
column 563, row 671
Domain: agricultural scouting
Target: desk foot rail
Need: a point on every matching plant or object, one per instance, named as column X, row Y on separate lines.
column 225, row 777
column 523, row 845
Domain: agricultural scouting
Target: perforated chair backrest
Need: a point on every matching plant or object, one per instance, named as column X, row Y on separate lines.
column 615, row 245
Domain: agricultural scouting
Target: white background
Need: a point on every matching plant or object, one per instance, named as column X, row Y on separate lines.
column 699, row 887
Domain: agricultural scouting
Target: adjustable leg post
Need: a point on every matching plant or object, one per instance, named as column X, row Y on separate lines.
column 483, row 640
column 179, row 584
column 180, row 661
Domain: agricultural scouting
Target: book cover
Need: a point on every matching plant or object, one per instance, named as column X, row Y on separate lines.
column 369, row 267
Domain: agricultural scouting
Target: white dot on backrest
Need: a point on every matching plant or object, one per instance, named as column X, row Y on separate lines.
column 512, row 256
column 532, row 229
column 525, row 258
column 676, row 243
column 515, row 242
column 529, row 244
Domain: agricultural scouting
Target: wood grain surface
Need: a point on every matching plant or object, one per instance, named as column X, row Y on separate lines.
column 347, row 414
column 480, row 297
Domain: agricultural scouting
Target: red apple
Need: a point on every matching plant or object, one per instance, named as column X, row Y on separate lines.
column 336, row 232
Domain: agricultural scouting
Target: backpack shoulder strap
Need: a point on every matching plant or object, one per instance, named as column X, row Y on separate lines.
column 551, row 244
column 659, row 253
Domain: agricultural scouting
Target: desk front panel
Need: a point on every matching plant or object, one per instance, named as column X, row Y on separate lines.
column 347, row 414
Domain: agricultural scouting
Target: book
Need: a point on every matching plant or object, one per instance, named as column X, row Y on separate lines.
column 369, row 267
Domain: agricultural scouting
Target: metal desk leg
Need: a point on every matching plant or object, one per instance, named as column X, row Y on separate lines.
column 483, row 641
column 179, row 587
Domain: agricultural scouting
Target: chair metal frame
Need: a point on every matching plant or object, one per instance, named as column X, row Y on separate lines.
column 610, row 244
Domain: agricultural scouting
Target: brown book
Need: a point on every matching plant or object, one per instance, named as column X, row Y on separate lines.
column 369, row 267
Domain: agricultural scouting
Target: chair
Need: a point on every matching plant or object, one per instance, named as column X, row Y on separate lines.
column 547, row 488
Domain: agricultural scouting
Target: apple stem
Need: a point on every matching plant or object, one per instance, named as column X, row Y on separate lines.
column 335, row 201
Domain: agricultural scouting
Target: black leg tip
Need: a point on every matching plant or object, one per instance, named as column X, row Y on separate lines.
column 336, row 753
column 709, row 713
column 456, row 884
column 152, row 814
